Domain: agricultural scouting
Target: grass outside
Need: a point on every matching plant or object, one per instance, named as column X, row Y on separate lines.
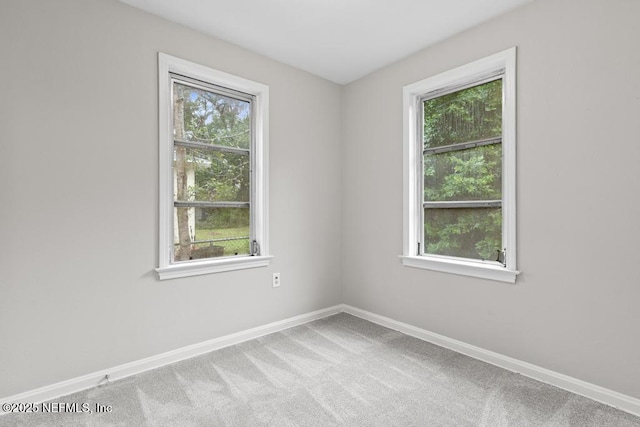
column 231, row 247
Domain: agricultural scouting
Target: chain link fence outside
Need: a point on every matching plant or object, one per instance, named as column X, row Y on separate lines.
column 227, row 246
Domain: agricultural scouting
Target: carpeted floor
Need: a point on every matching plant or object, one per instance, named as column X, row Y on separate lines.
column 341, row 370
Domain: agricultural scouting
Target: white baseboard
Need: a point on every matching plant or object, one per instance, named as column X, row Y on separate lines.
column 591, row 391
column 97, row 378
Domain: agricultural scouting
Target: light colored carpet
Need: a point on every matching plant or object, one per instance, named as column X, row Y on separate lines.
column 341, row 370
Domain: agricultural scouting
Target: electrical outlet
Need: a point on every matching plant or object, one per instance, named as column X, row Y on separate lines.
column 276, row 280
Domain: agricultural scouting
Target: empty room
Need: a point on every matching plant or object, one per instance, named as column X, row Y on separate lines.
column 315, row 213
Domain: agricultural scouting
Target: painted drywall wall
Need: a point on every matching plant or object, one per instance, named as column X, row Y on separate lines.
column 78, row 184
column 78, row 191
column 574, row 309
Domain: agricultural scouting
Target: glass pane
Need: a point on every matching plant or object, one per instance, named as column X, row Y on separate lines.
column 208, row 175
column 210, row 232
column 467, row 233
column 210, row 118
column 472, row 174
column 467, row 115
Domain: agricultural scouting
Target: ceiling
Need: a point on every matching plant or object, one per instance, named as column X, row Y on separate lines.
column 340, row 40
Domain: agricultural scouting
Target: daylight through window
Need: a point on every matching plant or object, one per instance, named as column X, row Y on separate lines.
column 459, row 170
column 213, row 141
column 462, row 164
column 212, row 185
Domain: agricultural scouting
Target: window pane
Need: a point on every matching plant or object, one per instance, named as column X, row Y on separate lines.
column 208, row 175
column 210, row 118
column 210, row 232
column 472, row 174
column 468, row 233
column 467, row 115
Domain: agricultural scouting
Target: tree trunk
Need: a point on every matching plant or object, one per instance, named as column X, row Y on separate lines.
column 183, row 252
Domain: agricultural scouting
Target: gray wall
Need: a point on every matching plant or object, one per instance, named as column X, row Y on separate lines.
column 78, row 194
column 575, row 308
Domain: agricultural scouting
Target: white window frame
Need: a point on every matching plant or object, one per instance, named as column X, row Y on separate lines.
column 413, row 226
column 168, row 269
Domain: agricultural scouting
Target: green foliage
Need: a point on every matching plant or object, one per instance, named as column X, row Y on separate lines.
column 472, row 174
column 466, row 233
column 222, row 218
column 213, row 118
column 216, row 119
column 221, row 177
column 467, row 115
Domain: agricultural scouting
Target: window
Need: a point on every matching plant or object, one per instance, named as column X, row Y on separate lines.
column 213, row 189
column 459, row 184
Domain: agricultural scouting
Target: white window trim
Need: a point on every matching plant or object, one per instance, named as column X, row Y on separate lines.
column 412, row 203
column 168, row 270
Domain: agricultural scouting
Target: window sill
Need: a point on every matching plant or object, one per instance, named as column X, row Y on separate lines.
column 483, row 270
column 196, row 268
